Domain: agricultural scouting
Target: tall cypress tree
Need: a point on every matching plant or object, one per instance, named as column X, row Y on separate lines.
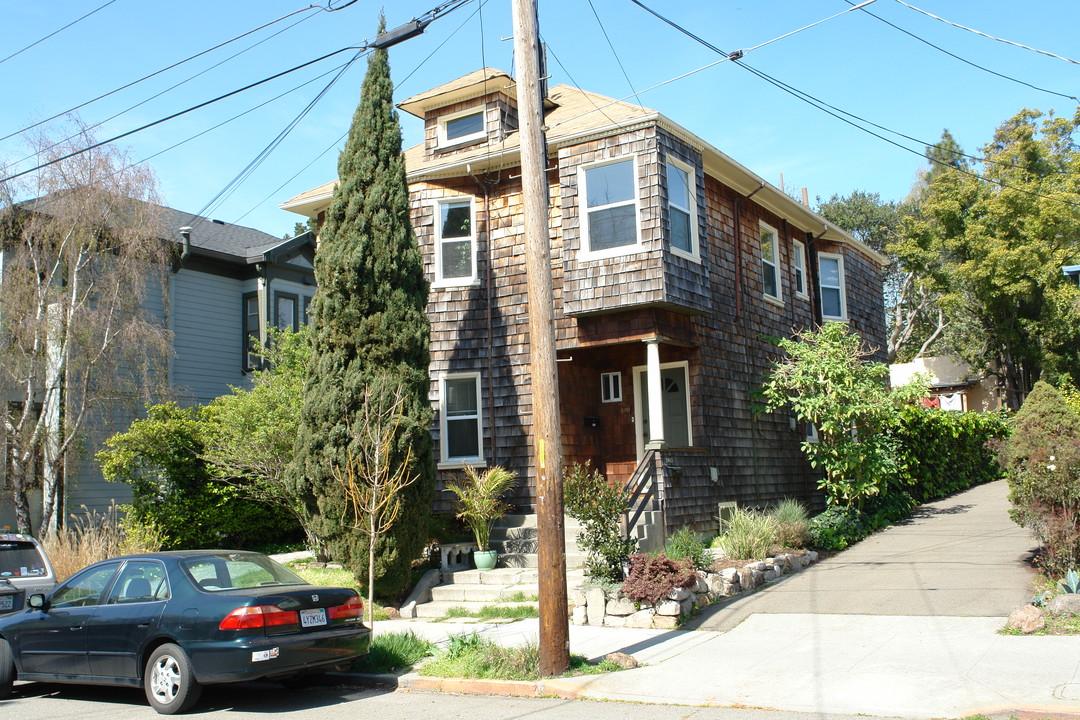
column 369, row 324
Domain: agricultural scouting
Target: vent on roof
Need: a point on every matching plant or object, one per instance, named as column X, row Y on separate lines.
column 219, row 222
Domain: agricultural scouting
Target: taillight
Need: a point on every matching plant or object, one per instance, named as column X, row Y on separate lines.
column 352, row 609
column 258, row 616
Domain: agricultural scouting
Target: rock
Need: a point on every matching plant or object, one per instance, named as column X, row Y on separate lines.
column 668, row 607
column 665, row 622
column 595, row 604
column 614, row 620
column 716, row 584
column 640, row 619
column 626, row 662
column 731, row 589
column 576, row 596
column 578, row 616
column 702, row 584
column 812, row 556
column 686, row 606
column 770, row 575
column 392, row 613
column 621, row 607
column 1028, row 619
column 680, row 594
column 1068, row 604
column 730, row 575
column 759, row 565
column 746, row 578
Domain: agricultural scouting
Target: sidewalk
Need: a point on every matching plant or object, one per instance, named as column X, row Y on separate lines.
column 939, row 586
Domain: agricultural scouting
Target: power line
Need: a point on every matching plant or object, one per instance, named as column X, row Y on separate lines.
column 987, row 35
column 811, row 100
column 175, row 115
column 164, row 69
column 610, row 45
column 55, row 32
column 969, row 62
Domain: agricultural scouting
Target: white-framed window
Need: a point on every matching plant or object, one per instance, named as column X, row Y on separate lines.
column 611, row 387
column 682, row 208
column 770, row 261
column 810, row 432
column 286, row 313
column 831, row 280
column 798, row 263
column 455, row 247
column 461, row 127
column 251, row 331
column 609, row 214
column 461, row 428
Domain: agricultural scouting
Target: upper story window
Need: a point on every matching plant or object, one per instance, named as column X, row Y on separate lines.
column 770, row 262
column 286, row 311
column 798, row 262
column 610, row 223
column 833, row 292
column 460, row 425
column 461, row 127
column 455, row 249
column 250, row 330
column 682, row 208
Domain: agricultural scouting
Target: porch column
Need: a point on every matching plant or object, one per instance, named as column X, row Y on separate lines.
column 656, row 397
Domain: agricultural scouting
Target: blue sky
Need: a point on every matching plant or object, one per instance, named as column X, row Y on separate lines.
column 853, row 62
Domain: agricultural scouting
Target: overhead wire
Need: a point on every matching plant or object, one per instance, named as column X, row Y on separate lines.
column 56, row 32
column 618, row 60
column 162, row 70
column 964, row 60
column 987, row 35
column 737, row 56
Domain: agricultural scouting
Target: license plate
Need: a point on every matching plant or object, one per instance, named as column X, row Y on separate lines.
column 7, row 602
column 312, row 618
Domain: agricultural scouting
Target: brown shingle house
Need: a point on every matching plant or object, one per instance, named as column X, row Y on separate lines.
column 673, row 266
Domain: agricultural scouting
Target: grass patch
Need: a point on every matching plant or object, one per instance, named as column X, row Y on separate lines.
column 394, row 651
column 1065, row 625
column 470, row 656
column 494, row 612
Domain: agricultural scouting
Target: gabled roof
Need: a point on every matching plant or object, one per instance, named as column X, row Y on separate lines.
column 574, row 116
column 218, row 237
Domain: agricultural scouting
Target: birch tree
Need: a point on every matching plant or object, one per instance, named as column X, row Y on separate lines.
column 83, row 251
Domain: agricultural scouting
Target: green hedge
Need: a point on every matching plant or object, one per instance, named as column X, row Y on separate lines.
column 940, row 452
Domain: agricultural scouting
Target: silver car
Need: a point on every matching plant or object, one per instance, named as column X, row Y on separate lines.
column 24, row 571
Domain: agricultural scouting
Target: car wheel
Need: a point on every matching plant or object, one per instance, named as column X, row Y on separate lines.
column 169, row 682
column 7, row 669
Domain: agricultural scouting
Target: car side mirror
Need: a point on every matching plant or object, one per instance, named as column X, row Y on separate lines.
column 37, row 601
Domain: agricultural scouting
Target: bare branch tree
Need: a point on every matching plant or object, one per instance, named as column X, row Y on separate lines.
column 372, row 484
column 82, row 251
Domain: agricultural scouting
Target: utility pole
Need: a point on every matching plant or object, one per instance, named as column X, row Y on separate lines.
column 547, row 431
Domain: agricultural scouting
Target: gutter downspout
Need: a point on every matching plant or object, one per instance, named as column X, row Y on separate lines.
column 738, row 248
column 485, row 187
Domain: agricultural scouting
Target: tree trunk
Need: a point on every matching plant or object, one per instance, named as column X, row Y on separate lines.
column 18, row 480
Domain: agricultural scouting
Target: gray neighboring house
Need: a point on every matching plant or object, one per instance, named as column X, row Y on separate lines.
column 228, row 284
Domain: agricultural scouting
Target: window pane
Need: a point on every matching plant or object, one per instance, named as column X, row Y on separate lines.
column 85, row 589
column 768, row 245
column 286, row 313
column 457, row 259
column 613, row 227
column 680, row 230
column 608, row 184
column 463, row 439
column 830, row 302
column 461, row 396
column 464, row 126
column 768, row 278
column 456, row 220
column 678, row 184
column 830, row 272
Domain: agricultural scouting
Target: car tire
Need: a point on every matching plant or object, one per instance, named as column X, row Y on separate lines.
column 7, row 669
column 169, row 681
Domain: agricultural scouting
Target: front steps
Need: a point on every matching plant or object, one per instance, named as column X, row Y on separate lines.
column 515, row 537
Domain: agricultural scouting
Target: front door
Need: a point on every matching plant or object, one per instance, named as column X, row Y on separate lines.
column 675, row 402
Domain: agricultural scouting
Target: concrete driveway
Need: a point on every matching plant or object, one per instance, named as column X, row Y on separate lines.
column 962, row 556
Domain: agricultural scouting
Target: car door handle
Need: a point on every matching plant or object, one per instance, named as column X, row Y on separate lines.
column 144, row 625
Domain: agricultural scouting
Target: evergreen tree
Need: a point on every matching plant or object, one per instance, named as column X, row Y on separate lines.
column 369, row 323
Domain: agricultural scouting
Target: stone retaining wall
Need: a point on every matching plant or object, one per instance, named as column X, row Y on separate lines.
column 594, row 606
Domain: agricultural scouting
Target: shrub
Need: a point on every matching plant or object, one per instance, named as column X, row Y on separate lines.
column 94, row 537
column 394, row 650
column 792, row 524
column 598, row 506
column 653, row 577
column 838, row 527
column 748, row 535
column 475, row 657
column 1042, row 460
column 684, row 544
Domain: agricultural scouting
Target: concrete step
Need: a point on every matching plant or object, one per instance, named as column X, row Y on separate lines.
column 574, row 560
column 483, row 593
column 499, row 577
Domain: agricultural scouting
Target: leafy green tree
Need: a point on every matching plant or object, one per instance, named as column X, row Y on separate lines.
column 992, row 251
column 251, row 431
column 160, row 457
column 369, row 322
column 825, row 380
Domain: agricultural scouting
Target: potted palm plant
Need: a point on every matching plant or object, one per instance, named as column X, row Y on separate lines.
column 477, row 498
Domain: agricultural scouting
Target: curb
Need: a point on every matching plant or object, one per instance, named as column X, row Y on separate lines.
column 468, row 686
column 1031, row 712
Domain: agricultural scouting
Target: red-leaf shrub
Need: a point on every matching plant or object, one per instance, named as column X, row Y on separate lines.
column 653, row 577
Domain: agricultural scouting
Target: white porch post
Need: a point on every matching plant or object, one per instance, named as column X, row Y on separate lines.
column 656, row 398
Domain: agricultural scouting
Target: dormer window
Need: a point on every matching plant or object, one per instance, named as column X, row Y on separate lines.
column 461, row 128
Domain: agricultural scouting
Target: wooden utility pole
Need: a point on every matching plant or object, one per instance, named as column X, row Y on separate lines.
column 547, row 432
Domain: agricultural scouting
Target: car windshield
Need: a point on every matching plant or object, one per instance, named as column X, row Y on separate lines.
column 237, row 571
column 19, row 558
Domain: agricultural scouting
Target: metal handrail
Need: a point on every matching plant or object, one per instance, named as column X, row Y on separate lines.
column 642, row 487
